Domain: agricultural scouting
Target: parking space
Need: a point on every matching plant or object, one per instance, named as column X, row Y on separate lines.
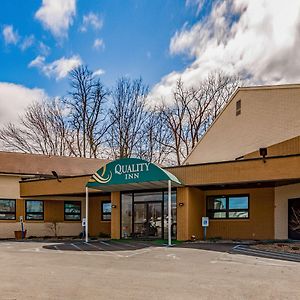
column 139, row 270
column 100, row 245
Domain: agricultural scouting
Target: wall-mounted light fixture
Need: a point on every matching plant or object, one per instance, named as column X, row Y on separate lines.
column 55, row 175
column 114, row 206
column 181, row 204
column 263, row 152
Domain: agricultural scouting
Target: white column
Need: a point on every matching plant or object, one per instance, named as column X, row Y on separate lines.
column 169, row 214
column 86, row 214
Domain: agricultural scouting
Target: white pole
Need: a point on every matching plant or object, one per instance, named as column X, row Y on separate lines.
column 169, row 214
column 86, row 214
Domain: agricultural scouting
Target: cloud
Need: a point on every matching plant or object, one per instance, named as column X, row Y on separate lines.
column 57, row 16
column 10, row 36
column 27, row 42
column 252, row 38
column 98, row 72
column 44, row 49
column 18, row 97
column 57, row 69
column 38, row 62
column 99, row 44
column 198, row 3
column 91, row 20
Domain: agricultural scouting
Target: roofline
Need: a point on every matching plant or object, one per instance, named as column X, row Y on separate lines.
column 60, row 177
column 180, row 166
column 52, row 155
column 271, row 87
column 245, row 88
column 211, row 125
column 234, row 161
column 38, row 174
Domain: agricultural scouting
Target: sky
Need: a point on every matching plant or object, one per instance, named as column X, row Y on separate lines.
column 159, row 40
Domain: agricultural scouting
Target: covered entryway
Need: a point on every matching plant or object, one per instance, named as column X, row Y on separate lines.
column 145, row 214
column 146, row 206
column 294, row 219
column 148, row 216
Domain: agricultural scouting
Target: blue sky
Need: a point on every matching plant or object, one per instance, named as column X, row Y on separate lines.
column 160, row 40
column 135, row 37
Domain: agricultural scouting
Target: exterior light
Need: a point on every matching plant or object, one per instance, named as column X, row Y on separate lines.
column 181, row 204
column 263, row 152
column 114, row 206
column 55, row 175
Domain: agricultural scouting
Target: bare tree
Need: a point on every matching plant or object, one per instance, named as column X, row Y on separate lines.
column 92, row 122
column 42, row 129
column 152, row 144
column 87, row 115
column 128, row 116
column 193, row 110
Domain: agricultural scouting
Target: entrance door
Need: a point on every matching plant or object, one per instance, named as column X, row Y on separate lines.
column 147, row 221
column 294, row 219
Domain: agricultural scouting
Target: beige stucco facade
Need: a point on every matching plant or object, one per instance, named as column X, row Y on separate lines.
column 9, row 186
column 269, row 115
column 282, row 195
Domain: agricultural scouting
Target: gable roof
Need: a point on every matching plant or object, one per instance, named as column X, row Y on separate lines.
column 37, row 164
column 229, row 103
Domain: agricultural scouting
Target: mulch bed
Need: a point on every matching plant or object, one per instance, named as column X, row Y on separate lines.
column 279, row 247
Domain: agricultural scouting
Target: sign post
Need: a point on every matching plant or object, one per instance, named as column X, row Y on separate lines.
column 22, row 226
column 205, row 224
column 83, row 224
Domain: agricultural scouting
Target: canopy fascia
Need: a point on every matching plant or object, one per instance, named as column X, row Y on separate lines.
column 131, row 174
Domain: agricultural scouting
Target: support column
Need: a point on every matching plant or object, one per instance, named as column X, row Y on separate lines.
column 86, row 214
column 169, row 214
column 115, row 215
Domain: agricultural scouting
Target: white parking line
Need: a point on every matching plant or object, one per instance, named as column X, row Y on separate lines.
column 58, row 250
column 138, row 252
column 124, row 244
column 75, row 246
column 84, row 251
column 102, row 249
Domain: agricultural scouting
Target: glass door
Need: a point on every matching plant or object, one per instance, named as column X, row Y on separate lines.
column 154, row 219
column 140, row 220
column 148, row 220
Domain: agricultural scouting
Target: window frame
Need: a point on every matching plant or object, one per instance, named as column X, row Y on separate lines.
column 9, row 213
column 103, row 213
column 80, row 213
column 227, row 210
column 34, row 213
column 238, row 107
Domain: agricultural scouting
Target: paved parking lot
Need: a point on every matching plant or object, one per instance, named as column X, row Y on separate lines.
column 139, row 270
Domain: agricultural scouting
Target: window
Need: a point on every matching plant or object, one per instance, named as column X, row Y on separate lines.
column 105, row 210
column 7, row 209
column 72, row 210
column 238, row 107
column 34, row 210
column 228, row 207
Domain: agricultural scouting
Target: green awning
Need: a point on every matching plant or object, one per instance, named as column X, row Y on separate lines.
column 131, row 174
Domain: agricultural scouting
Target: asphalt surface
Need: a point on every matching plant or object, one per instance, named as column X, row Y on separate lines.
column 140, row 270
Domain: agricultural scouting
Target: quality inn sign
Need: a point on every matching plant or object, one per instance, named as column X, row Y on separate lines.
column 132, row 170
column 127, row 171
